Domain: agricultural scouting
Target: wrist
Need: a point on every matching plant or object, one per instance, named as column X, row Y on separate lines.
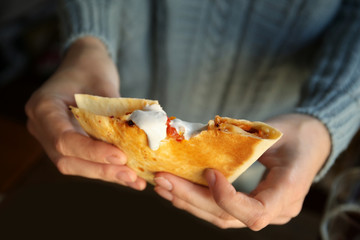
column 84, row 54
column 88, row 59
column 318, row 138
column 307, row 136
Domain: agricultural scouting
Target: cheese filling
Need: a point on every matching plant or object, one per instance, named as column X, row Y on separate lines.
column 152, row 119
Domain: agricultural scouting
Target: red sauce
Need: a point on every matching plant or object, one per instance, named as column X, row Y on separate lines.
column 171, row 131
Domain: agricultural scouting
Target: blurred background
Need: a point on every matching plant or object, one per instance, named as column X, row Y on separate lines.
column 37, row 201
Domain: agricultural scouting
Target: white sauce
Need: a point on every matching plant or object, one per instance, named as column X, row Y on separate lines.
column 152, row 119
column 188, row 129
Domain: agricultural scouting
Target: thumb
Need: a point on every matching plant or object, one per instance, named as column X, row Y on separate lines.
column 246, row 209
column 219, row 185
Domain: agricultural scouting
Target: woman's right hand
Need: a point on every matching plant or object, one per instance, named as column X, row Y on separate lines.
column 86, row 68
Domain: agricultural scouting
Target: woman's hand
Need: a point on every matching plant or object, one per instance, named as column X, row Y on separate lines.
column 87, row 68
column 292, row 163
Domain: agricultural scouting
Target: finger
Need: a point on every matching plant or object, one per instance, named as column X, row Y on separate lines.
column 193, row 198
column 139, row 184
column 221, row 218
column 198, row 212
column 277, row 192
column 280, row 220
column 51, row 122
column 71, row 143
column 289, row 213
column 107, row 172
column 248, row 210
column 190, row 192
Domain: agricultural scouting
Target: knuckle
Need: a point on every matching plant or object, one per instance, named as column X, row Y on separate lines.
column 94, row 152
column 185, row 195
column 28, row 109
column 222, row 224
column 222, row 202
column 295, row 211
column 229, row 196
column 37, row 105
column 224, row 220
column 107, row 173
column 224, row 216
column 61, row 165
column 285, row 221
column 104, row 172
column 258, row 221
column 59, row 144
column 179, row 203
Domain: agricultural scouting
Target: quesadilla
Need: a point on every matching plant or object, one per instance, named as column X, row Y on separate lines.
column 154, row 142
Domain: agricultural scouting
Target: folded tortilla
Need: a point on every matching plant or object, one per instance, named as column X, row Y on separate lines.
column 228, row 145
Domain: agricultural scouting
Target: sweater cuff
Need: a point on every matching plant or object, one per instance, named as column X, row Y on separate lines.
column 341, row 119
column 332, row 93
column 90, row 18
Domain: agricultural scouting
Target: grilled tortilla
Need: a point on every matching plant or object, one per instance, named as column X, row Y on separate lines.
column 228, row 145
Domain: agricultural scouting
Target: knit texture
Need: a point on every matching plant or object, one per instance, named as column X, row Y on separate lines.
column 91, row 18
column 332, row 93
column 244, row 59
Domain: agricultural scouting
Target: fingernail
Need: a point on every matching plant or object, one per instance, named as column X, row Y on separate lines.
column 164, row 183
column 210, row 177
column 126, row 177
column 115, row 160
column 136, row 185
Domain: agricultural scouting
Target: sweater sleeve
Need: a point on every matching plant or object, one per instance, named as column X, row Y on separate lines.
column 79, row 18
column 332, row 93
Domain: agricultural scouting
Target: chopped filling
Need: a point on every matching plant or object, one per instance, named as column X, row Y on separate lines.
column 172, row 132
column 187, row 129
column 228, row 125
column 252, row 130
column 157, row 126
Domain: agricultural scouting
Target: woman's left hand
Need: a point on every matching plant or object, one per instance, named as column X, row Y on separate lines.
column 292, row 163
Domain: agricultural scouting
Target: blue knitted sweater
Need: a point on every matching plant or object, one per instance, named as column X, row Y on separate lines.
column 248, row 59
